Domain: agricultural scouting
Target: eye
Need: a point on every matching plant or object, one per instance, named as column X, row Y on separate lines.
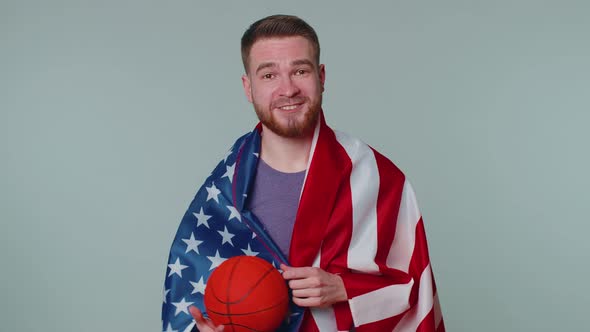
column 300, row 72
column 268, row 76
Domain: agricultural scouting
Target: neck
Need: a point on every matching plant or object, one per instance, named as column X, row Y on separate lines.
column 288, row 155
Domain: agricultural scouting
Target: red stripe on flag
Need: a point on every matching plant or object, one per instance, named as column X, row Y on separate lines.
column 419, row 260
column 334, row 252
column 391, row 184
column 427, row 324
column 381, row 325
column 420, row 256
column 320, row 189
column 338, row 235
column 343, row 316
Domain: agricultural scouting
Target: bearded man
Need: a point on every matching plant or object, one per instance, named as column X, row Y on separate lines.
column 336, row 217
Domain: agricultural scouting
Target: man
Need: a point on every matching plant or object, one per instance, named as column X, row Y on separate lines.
column 338, row 218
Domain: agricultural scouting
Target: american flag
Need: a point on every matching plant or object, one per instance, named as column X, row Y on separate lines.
column 357, row 217
column 214, row 228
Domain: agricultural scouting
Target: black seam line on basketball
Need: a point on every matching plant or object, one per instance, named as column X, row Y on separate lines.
column 228, row 304
column 212, row 290
column 249, row 312
column 218, row 298
column 251, row 289
column 253, row 286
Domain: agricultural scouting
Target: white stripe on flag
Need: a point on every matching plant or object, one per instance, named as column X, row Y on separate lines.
column 314, row 141
column 416, row 315
column 364, row 185
column 325, row 319
column 402, row 248
column 380, row 304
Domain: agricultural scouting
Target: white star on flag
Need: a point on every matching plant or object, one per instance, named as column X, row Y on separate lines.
column 226, row 236
column 229, row 172
column 202, row 218
column 166, row 291
column 233, row 213
column 192, row 244
column 215, row 260
column 249, row 251
column 181, row 306
column 176, row 268
column 198, row 287
column 255, row 154
column 212, row 193
column 169, row 328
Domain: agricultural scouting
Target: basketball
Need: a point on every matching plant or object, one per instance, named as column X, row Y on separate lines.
column 246, row 294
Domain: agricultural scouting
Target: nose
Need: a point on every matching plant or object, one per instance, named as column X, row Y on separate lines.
column 288, row 87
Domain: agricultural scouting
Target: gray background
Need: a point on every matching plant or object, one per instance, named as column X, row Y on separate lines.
column 112, row 113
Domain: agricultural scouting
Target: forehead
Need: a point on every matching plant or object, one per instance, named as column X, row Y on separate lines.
column 280, row 50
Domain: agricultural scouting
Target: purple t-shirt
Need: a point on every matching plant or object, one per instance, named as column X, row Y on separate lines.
column 274, row 199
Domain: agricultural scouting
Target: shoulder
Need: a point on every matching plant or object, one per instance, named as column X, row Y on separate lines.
column 244, row 139
column 361, row 153
column 248, row 141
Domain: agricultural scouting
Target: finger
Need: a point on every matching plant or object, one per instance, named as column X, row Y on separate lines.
column 307, row 301
column 197, row 314
column 304, row 283
column 202, row 323
column 299, row 272
column 307, row 292
column 284, row 268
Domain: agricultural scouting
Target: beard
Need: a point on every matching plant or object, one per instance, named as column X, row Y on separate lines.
column 297, row 125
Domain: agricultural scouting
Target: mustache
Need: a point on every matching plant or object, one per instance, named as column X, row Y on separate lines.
column 288, row 101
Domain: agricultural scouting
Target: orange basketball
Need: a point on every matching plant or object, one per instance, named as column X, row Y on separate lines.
column 246, row 294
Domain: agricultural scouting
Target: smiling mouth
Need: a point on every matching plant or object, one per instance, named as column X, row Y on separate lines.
column 289, row 107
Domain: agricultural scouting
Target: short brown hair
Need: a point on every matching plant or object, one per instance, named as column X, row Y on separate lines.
column 278, row 26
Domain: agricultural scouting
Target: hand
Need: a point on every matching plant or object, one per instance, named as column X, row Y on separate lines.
column 203, row 324
column 314, row 287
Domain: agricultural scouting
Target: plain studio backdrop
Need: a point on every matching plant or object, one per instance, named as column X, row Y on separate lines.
column 112, row 114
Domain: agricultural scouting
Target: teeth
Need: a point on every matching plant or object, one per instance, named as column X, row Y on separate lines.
column 287, row 108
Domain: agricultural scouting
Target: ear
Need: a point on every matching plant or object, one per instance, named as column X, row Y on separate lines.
column 247, row 87
column 322, row 75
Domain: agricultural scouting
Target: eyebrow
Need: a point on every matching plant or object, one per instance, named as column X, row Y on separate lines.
column 265, row 65
column 302, row 62
column 298, row 62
